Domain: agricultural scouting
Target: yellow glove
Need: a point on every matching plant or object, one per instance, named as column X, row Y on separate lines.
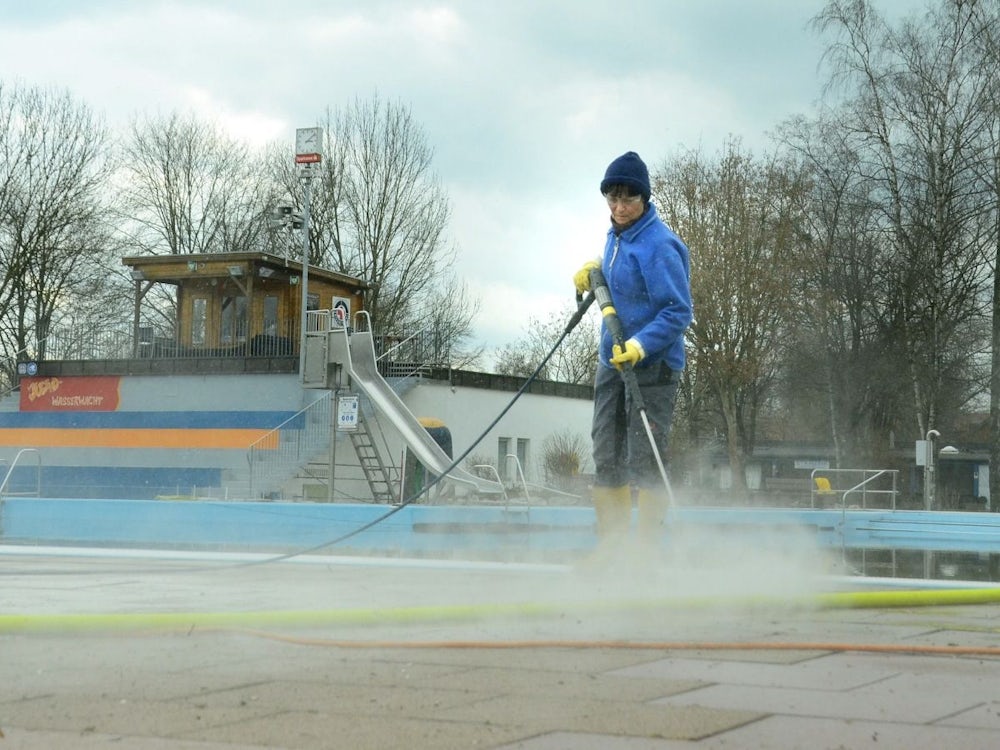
column 629, row 356
column 581, row 279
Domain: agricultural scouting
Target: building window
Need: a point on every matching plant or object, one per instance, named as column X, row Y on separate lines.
column 270, row 315
column 199, row 315
column 522, row 455
column 234, row 320
column 503, row 448
column 506, row 467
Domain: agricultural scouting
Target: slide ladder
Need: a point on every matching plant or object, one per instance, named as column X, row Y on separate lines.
column 359, row 360
column 376, row 472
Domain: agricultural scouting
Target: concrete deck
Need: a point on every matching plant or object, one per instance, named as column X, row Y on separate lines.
column 156, row 651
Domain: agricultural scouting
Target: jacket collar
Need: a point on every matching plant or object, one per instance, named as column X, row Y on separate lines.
column 632, row 230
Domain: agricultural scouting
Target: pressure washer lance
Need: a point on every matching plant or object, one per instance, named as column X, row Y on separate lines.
column 599, row 287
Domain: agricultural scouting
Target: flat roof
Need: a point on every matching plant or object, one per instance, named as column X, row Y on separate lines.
column 217, row 263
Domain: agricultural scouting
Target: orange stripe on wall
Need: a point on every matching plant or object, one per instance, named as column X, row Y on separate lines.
column 48, row 437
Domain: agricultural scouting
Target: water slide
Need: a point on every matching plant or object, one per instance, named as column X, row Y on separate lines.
column 365, row 376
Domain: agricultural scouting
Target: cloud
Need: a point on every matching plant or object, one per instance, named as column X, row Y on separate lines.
column 524, row 102
column 249, row 125
column 519, row 253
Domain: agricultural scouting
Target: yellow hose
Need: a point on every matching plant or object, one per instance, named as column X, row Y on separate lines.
column 136, row 621
column 906, row 598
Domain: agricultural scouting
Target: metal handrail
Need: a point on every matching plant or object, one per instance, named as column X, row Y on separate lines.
column 409, row 338
column 492, row 468
column 318, row 321
column 267, row 456
column 520, row 473
column 10, row 472
column 117, row 344
column 363, row 315
column 406, row 370
column 855, row 488
column 862, row 486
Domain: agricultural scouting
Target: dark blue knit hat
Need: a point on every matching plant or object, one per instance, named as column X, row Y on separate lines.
column 628, row 170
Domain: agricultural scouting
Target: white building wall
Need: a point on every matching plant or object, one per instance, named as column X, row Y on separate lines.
column 466, row 412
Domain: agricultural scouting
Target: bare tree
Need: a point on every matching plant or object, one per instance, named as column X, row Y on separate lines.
column 915, row 113
column 574, row 361
column 55, row 235
column 988, row 49
column 189, row 188
column 394, row 211
column 739, row 218
column 446, row 314
column 841, row 375
column 378, row 212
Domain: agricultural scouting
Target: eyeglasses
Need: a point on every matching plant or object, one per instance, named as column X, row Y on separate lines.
column 622, row 200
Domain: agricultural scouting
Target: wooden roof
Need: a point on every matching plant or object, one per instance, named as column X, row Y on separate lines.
column 175, row 269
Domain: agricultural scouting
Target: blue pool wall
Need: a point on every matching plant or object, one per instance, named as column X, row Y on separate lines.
column 446, row 530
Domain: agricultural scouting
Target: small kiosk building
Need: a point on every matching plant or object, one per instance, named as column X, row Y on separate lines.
column 236, row 304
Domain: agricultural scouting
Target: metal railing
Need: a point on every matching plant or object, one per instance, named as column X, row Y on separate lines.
column 862, row 489
column 520, row 475
column 4, row 492
column 119, row 344
column 395, row 356
column 417, row 349
column 491, row 469
column 275, row 457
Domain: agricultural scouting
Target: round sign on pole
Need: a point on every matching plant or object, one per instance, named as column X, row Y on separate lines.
column 341, row 311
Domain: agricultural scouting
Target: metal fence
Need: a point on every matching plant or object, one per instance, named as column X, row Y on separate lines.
column 122, row 344
column 276, row 457
column 422, row 347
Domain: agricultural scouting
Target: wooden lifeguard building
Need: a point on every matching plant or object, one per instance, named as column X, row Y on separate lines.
column 236, row 304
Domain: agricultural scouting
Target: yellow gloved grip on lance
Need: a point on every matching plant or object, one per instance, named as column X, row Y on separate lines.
column 629, row 355
column 581, row 279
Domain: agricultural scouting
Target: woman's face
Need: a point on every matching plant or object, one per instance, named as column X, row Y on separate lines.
column 624, row 208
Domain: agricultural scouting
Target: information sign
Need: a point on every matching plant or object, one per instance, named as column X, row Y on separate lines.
column 347, row 413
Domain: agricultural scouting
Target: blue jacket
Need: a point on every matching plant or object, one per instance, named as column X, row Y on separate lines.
column 648, row 273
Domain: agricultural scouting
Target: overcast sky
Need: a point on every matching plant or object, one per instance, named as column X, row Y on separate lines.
column 524, row 102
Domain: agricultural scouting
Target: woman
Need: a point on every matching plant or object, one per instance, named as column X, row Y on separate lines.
column 647, row 271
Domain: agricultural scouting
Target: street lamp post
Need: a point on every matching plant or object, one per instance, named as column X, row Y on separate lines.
column 306, row 175
column 930, row 480
column 930, row 485
column 308, row 155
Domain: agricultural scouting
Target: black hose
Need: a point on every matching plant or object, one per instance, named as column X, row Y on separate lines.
column 583, row 304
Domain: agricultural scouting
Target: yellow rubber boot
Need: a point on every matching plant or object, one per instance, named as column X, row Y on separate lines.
column 613, row 511
column 652, row 518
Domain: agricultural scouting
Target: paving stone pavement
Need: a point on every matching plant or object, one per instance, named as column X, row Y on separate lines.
column 145, row 651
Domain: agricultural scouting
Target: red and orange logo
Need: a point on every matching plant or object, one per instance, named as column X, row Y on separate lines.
column 70, row 394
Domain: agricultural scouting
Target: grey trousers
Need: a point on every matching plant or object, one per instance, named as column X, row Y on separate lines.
column 622, row 451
